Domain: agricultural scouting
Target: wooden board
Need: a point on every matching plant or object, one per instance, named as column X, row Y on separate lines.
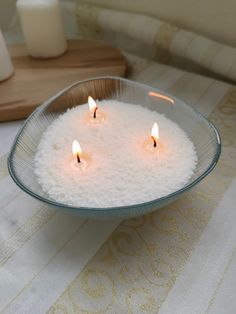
column 35, row 80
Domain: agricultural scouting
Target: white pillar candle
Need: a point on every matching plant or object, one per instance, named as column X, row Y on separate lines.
column 42, row 27
column 6, row 68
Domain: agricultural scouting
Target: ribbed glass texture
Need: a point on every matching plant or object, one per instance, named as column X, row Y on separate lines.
column 202, row 133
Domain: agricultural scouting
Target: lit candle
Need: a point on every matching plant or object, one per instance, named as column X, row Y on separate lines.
column 93, row 106
column 76, row 150
column 6, row 68
column 155, row 134
column 96, row 116
column 153, row 144
column 42, row 27
column 81, row 161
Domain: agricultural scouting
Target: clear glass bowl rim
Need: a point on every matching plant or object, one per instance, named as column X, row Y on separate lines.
column 170, row 196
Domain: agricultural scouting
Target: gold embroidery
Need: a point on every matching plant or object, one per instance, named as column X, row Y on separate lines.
column 124, row 243
column 167, row 225
column 147, row 305
column 108, row 258
column 135, row 222
column 128, row 276
column 58, row 309
column 157, row 271
column 93, row 284
column 24, row 233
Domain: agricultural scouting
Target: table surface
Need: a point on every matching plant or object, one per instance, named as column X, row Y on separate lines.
column 8, row 131
column 21, row 94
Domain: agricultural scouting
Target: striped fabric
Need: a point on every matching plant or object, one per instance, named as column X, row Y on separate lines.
column 152, row 38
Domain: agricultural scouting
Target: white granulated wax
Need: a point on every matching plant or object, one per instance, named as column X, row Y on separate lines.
column 119, row 165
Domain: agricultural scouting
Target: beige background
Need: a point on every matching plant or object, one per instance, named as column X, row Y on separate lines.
column 213, row 18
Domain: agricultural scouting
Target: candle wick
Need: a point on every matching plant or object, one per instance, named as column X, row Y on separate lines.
column 78, row 158
column 154, row 141
column 95, row 112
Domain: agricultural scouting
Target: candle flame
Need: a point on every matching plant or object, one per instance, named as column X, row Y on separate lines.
column 155, row 134
column 76, row 149
column 92, row 104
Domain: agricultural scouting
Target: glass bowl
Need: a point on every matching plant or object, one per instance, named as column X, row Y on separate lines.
column 201, row 132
